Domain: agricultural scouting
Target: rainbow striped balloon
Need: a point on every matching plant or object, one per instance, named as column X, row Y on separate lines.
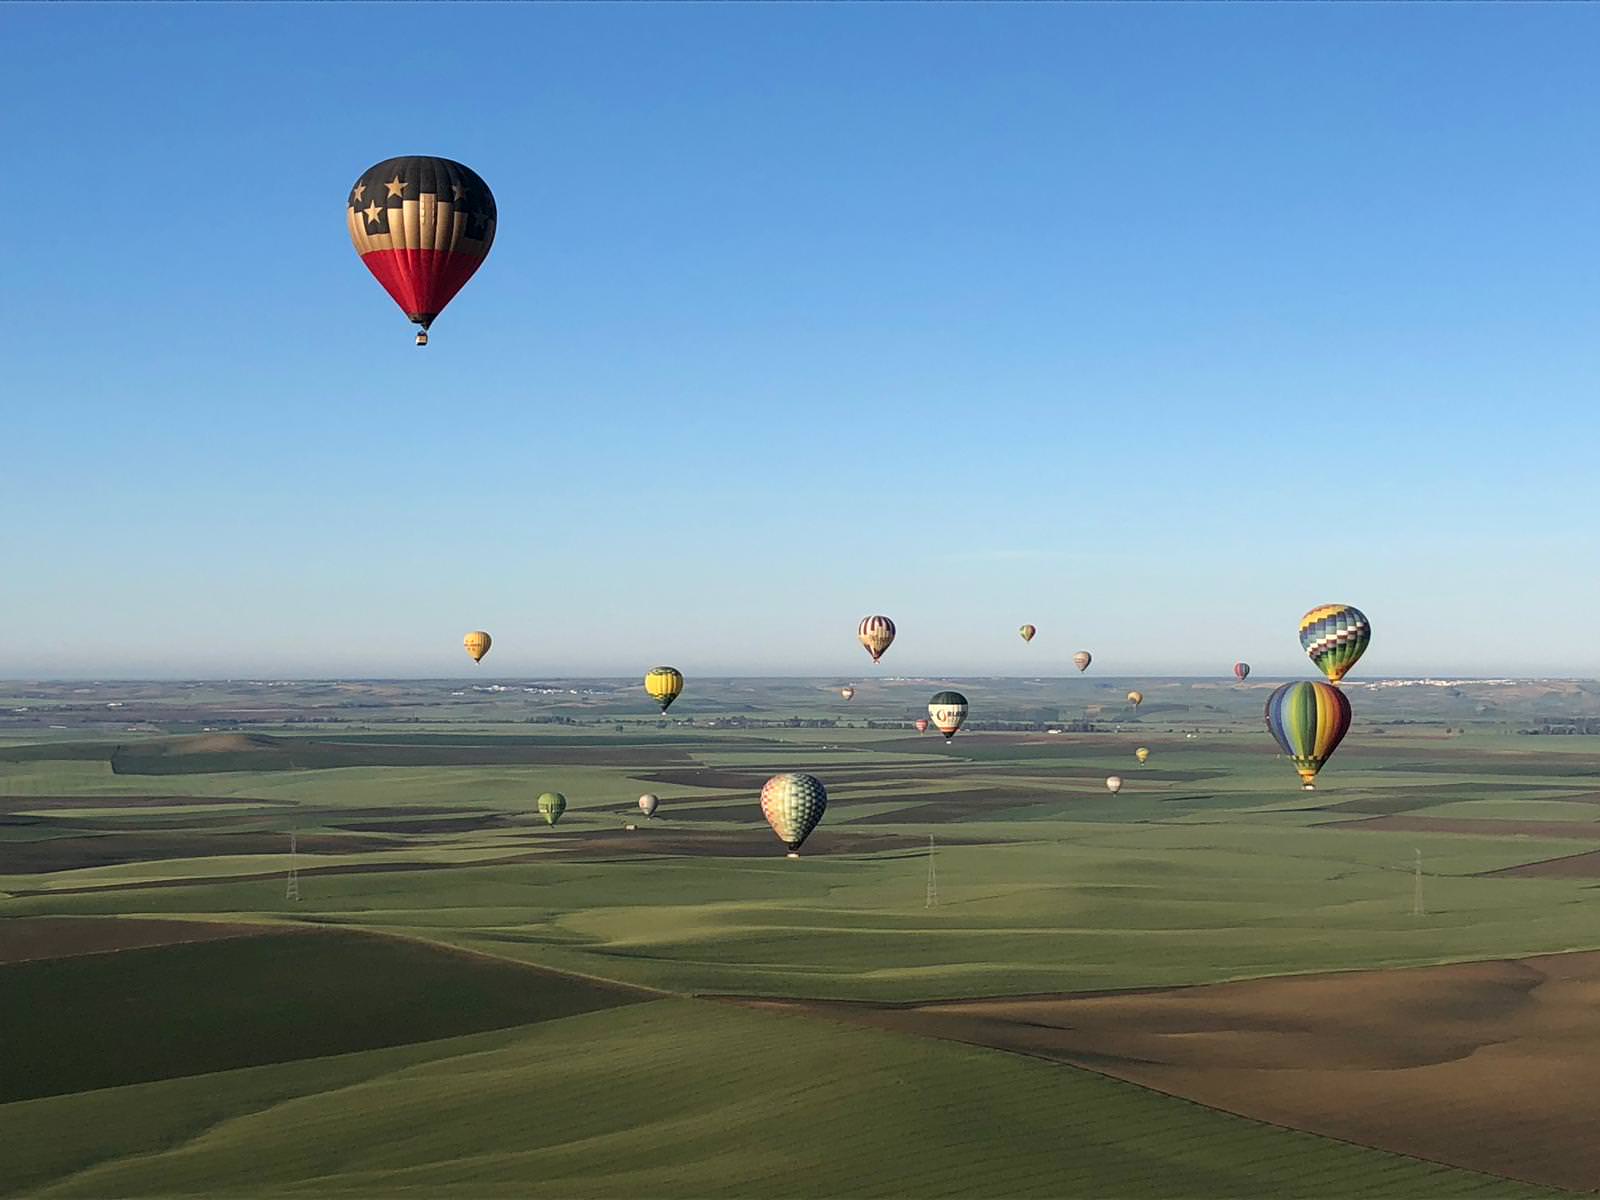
column 1309, row 720
column 1335, row 636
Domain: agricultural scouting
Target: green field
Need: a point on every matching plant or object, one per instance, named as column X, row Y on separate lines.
column 681, row 1098
column 393, row 1035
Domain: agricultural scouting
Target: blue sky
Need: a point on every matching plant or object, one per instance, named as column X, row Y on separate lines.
column 1154, row 325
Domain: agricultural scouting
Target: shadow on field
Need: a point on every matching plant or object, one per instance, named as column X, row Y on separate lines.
column 103, row 1020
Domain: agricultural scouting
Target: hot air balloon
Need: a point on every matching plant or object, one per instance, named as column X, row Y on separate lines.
column 1082, row 659
column 422, row 226
column 1027, row 632
column 847, row 692
column 792, row 805
column 922, row 724
column 551, row 806
column 1241, row 671
column 477, row 643
column 1309, row 720
column 947, row 710
column 648, row 803
column 1142, row 754
column 1334, row 637
column 1113, row 784
column 1136, row 698
column 875, row 633
column 663, row 684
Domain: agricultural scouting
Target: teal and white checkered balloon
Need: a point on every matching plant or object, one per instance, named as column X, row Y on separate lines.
column 793, row 804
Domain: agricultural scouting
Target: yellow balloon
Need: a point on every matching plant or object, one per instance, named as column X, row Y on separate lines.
column 663, row 684
column 1142, row 753
column 1136, row 698
column 477, row 643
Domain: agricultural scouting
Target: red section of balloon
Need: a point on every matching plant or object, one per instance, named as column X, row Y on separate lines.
column 422, row 282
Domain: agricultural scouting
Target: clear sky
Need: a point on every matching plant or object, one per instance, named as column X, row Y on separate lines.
column 1153, row 325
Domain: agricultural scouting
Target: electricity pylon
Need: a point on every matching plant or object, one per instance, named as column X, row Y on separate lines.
column 1417, row 908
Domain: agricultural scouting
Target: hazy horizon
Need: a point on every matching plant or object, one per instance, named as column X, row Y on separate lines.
column 1256, row 676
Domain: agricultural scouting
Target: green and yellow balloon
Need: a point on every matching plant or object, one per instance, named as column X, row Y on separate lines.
column 1334, row 637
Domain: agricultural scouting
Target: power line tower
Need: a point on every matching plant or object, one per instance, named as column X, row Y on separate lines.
column 1417, row 908
column 291, row 887
column 933, row 878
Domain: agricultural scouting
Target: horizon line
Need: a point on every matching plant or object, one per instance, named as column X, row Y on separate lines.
column 258, row 679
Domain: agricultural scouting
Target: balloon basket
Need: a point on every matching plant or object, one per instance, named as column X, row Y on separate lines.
column 1308, row 787
column 792, row 854
column 422, row 338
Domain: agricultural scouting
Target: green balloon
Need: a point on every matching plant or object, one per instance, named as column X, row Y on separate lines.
column 551, row 806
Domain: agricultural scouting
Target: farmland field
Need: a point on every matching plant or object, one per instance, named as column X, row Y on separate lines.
column 463, row 1000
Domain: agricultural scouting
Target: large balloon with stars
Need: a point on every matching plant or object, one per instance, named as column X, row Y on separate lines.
column 422, row 226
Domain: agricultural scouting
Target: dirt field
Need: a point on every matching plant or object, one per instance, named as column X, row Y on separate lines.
column 747, row 782
column 943, row 807
column 441, row 824
column 1492, row 1066
column 26, row 939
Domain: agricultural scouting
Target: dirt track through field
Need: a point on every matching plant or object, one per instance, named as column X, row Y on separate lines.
column 1481, row 827
column 110, row 849
column 12, row 804
column 658, row 839
column 26, row 939
column 1492, row 1066
column 1570, row 866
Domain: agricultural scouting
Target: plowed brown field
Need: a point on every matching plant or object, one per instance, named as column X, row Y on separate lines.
column 1493, row 1066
